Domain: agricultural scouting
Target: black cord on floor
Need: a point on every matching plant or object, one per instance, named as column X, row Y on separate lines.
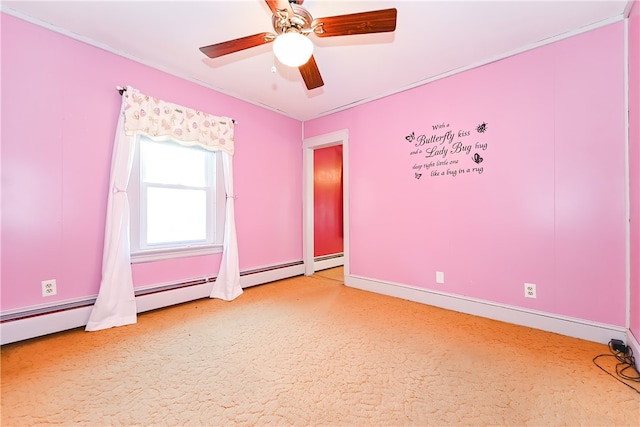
column 626, row 363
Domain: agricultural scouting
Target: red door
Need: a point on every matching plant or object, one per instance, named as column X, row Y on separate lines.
column 327, row 198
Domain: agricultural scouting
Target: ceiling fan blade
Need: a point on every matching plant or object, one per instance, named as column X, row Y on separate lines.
column 276, row 5
column 311, row 74
column 231, row 46
column 377, row 21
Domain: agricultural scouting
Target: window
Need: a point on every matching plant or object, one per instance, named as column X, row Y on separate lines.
column 177, row 201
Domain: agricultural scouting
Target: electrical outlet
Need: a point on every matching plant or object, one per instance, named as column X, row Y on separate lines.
column 439, row 277
column 49, row 288
column 529, row 290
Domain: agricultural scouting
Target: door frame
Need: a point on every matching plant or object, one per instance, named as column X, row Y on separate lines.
column 340, row 137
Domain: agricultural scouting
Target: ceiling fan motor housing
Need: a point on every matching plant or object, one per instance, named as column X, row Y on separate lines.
column 300, row 21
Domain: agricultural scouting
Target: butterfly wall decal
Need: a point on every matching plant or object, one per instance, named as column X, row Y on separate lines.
column 411, row 137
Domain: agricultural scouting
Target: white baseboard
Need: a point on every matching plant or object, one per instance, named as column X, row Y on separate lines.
column 271, row 275
column 31, row 327
column 324, row 264
column 177, row 296
column 573, row 327
column 635, row 347
column 57, row 321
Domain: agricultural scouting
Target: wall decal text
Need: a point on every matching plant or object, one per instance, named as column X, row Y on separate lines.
column 447, row 150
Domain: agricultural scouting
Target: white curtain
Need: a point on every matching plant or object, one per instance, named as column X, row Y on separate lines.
column 227, row 284
column 116, row 304
column 158, row 120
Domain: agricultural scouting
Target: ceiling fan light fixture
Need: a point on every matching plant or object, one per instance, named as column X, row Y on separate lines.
column 293, row 49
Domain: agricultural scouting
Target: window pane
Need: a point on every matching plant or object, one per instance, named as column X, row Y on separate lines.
column 170, row 163
column 176, row 215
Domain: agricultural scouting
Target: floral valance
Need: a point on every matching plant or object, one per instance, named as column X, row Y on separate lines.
column 160, row 120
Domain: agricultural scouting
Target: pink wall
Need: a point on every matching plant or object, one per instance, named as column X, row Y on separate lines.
column 548, row 207
column 327, row 199
column 634, row 164
column 543, row 203
column 59, row 109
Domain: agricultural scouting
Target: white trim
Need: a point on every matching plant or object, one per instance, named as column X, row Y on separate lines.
column 635, row 347
column 44, row 307
column 31, row 327
column 91, row 42
column 627, row 9
column 340, row 137
column 573, row 327
column 627, row 178
column 141, row 251
column 139, row 60
column 631, row 339
column 478, row 64
column 307, row 210
column 157, row 300
column 271, row 275
column 323, row 264
column 174, row 252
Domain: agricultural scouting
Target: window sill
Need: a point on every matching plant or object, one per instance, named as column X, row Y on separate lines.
column 162, row 254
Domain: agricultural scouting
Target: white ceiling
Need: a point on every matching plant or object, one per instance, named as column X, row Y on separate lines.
column 432, row 39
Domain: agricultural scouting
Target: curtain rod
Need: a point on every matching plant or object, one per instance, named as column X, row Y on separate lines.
column 122, row 90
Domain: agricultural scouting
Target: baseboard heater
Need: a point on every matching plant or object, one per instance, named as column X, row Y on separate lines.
column 328, row 261
column 326, row 257
column 10, row 317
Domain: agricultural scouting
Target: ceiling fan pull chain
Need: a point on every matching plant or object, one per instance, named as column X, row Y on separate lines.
column 273, row 63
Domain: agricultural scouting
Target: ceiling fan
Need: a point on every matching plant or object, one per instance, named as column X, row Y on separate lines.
column 292, row 21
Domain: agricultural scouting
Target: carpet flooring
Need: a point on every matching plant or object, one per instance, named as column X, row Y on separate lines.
column 309, row 351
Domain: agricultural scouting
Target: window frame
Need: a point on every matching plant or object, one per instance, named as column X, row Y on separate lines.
column 140, row 250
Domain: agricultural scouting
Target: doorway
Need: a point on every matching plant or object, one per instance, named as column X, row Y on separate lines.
column 311, row 262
